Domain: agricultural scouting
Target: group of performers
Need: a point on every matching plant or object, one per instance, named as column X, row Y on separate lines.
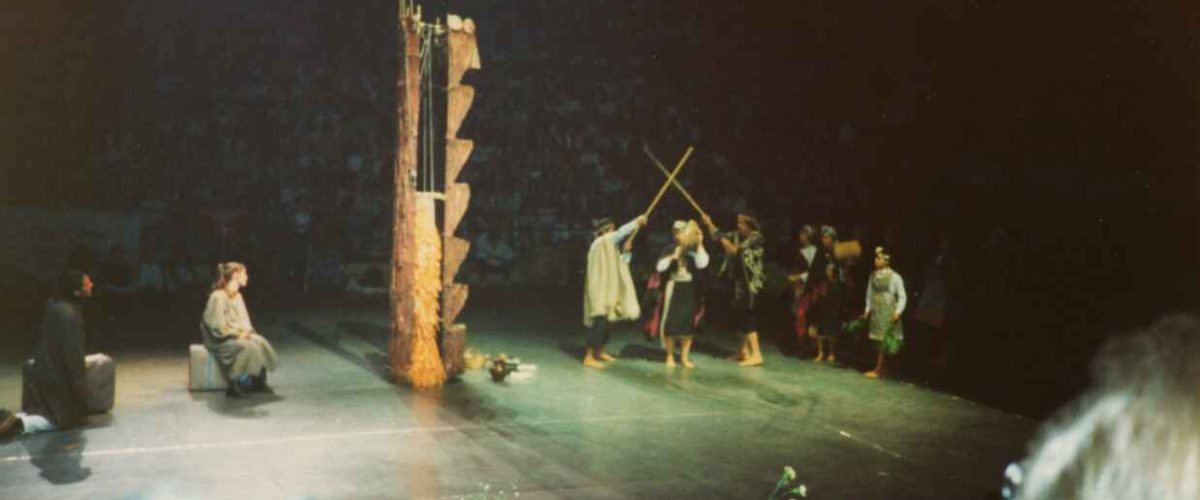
column 678, row 302
column 820, row 282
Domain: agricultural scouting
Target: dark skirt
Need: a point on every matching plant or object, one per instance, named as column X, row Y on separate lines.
column 679, row 311
column 743, row 319
column 828, row 327
column 825, row 316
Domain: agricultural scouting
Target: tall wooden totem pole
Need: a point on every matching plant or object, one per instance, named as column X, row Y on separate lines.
column 425, row 300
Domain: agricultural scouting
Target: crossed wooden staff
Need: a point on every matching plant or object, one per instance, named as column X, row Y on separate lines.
column 671, row 181
column 671, row 174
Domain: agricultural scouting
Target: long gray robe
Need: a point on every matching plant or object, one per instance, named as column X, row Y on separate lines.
column 225, row 318
column 58, row 385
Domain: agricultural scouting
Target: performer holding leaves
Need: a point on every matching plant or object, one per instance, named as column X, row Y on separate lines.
column 682, row 304
column 743, row 271
column 885, row 303
column 609, row 294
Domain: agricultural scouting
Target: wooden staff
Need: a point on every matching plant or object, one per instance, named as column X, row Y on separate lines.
column 663, row 190
column 675, row 183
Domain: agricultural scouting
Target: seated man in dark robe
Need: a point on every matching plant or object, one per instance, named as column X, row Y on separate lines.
column 58, row 398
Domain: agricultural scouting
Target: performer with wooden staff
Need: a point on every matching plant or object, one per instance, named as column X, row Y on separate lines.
column 609, row 294
column 743, row 269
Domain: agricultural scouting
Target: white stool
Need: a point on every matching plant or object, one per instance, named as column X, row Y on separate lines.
column 100, row 378
column 101, row 382
column 203, row 372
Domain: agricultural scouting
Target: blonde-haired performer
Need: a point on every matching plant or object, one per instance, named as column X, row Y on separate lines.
column 244, row 356
column 885, row 303
column 679, row 268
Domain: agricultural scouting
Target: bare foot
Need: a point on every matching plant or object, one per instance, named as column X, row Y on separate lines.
column 671, row 362
column 751, row 362
column 872, row 374
column 830, row 359
column 592, row 363
column 819, row 358
column 686, row 363
column 606, row 357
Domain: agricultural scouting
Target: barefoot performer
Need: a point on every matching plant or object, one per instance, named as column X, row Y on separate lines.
column 885, row 303
column 743, row 267
column 609, row 294
column 682, row 304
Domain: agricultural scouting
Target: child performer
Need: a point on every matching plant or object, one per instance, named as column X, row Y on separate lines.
column 885, row 303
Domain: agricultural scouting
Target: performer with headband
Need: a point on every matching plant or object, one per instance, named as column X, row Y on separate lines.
column 743, row 268
column 608, row 294
column 885, row 303
column 823, row 296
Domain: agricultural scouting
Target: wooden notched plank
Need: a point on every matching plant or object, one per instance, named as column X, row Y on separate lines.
column 454, row 298
column 454, row 347
column 458, row 197
column 456, row 251
column 463, row 54
column 457, row 153
column 458, row 102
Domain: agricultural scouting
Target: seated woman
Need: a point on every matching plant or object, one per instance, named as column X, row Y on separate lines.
column 244, row 356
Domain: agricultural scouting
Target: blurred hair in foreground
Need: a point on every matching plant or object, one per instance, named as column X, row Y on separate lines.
column 1135, row 432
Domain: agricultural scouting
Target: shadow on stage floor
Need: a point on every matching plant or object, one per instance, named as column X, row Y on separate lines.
column 58, row 456
column 373, row 362
column 247, row 407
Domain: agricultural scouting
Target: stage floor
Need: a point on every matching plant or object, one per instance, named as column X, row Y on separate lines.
column 337, row 429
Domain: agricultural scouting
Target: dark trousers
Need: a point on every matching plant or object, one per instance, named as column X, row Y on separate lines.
column 598, row 334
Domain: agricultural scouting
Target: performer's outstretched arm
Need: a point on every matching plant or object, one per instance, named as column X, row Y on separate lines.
column 624, row 231
column 729, row 247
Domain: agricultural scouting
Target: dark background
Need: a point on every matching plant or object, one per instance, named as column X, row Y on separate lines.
column 1057, row 141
